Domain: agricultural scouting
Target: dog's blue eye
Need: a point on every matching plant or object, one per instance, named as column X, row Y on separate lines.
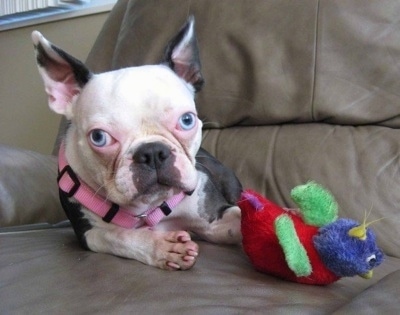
column 187, row 121
column 99, row 137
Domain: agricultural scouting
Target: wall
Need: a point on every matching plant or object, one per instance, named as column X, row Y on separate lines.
column 25, row 119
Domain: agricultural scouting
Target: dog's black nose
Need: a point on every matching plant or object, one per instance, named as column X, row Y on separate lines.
column 153, row 155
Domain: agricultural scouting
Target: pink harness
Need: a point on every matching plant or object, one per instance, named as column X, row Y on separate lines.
column 70, row 184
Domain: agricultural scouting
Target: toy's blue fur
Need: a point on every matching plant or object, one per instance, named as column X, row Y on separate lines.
column 343, row 254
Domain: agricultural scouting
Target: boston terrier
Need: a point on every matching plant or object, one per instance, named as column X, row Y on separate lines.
column 133, row 179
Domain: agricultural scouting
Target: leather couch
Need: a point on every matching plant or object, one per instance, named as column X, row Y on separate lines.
column 295, row 91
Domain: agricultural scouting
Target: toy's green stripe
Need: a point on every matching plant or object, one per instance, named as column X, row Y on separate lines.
column 295, row 254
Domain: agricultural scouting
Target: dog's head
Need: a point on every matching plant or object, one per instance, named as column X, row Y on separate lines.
column 134, row 132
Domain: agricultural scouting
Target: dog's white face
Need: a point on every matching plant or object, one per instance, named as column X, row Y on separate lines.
column 133, row 132
column 134, row 135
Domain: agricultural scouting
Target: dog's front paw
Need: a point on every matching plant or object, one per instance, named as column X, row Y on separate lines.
column 179, row 252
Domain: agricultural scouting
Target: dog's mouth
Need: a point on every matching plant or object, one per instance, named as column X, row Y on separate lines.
column 154, row 170
column 160, row 188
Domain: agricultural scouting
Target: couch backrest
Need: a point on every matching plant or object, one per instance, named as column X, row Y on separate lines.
column 295, row 91
column 273, row 62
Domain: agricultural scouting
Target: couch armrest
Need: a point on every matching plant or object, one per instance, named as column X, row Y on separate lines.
column 28, row 188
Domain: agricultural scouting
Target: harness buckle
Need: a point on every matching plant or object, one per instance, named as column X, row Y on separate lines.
column 74, row 178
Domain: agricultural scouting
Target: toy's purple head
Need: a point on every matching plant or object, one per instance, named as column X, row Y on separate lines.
column 346, row 253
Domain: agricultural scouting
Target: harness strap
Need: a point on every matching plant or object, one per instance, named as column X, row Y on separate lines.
column 110, row 212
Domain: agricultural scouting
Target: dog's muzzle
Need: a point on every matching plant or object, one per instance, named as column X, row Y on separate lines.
column 153, row 167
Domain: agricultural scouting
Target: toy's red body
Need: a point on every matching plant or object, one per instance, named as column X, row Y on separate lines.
column 262, row 246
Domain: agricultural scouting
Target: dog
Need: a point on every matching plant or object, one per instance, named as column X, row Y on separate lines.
column 133, row 179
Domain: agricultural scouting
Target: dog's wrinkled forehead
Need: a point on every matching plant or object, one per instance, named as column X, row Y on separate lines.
column 141, row 84
column 135, row 93
column 133, row 97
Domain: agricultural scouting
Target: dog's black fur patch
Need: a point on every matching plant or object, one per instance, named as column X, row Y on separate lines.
column 192, row 65
column 223, row 188
column 75, row 215
column 81, row 73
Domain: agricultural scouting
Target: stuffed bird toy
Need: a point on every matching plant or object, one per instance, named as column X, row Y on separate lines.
column 307, row 245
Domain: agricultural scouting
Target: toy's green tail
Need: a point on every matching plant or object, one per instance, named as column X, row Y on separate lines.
column 316, row 203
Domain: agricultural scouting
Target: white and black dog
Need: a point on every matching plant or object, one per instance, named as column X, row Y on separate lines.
column 132, row 179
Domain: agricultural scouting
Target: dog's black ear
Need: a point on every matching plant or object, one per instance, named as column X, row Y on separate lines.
column 64, row 76
column 182, row 55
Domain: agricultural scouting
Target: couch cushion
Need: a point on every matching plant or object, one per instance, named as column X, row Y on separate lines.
column 46, row 271
column 378, row 299
column 357, row 62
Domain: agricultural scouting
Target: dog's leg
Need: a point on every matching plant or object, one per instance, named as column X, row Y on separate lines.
column 166, row 250
column 225, row 230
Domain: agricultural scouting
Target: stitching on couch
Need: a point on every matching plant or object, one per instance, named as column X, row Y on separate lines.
column 314, row 79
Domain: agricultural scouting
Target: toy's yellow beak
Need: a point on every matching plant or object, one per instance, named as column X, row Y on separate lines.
column 367, row 275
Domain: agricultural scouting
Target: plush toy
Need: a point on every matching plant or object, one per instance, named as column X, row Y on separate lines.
column 309, row 245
